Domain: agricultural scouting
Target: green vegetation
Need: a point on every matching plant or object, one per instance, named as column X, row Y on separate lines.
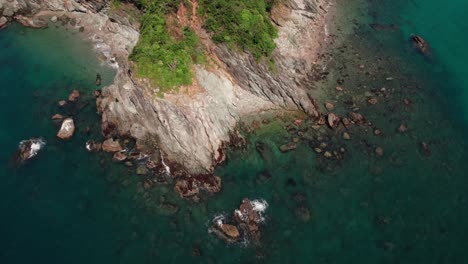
column 242, row 23
column 165, row 55
column 160, row 56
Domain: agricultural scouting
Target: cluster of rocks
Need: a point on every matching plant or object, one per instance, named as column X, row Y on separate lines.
column 67, row 128
column 243, row 225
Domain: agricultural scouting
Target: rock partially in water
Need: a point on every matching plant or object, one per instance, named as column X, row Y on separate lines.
column 111, row 145
column 119, row 156
column 74, row 96
column 67, row 129
column 189, row 187
column 28, row 149
column 333, row 120
column 3, row 22
column 62, row 103
column 244, row 224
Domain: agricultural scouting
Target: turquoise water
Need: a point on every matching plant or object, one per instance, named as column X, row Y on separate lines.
column 70, row 206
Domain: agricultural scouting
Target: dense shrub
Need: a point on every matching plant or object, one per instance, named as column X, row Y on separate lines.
column 167, row 60
column 242, row 23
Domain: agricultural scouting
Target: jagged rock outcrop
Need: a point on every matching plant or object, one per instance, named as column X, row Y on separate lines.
column 191, row 129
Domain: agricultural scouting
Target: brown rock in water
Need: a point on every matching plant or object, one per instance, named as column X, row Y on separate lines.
column 62, row 103
column 298, row 122
column 346, row 122
column 321, row 121
column 186, row 189
column 111, row 145
column 377, row 132
column 3, row 22
column 346, row 136
column 97, row 93
column 119, row 156
column 57, row 117
column 357, row 118
column 372, row 101
column 402, row 128
column 67, row 129
column 230, row 231
column 287, row 147
column 333, row 120
column 329, row 106
column 74, row 96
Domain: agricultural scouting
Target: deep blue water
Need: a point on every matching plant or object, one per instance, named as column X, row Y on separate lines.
column 70, row 206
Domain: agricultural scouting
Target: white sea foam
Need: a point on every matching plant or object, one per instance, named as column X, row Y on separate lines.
column 219, row 219
column 260, row 207
column 88, row 146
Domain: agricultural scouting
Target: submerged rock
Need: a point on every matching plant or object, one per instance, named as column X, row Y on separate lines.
column 357, row 118
column 421, row 45
column 379, row 151
column 425, row 150
column 329, row 106
column 189, row 187
column 57, row 117
column 288, row 147
column 98, row 79
column 28, row 149
column 303, row 214
column 402, row 128
column 111, row 145
column 67, row 129
column 62, row 103
column 74, row 96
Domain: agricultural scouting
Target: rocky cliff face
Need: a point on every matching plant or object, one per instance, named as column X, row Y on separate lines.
column 191, row 128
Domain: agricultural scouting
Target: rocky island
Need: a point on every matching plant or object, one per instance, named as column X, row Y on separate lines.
column 191, row 125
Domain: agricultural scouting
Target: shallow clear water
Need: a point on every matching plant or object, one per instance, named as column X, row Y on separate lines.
column 404, row 207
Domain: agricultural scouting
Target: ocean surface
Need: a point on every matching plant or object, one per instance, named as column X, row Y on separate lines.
column 407, row 206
